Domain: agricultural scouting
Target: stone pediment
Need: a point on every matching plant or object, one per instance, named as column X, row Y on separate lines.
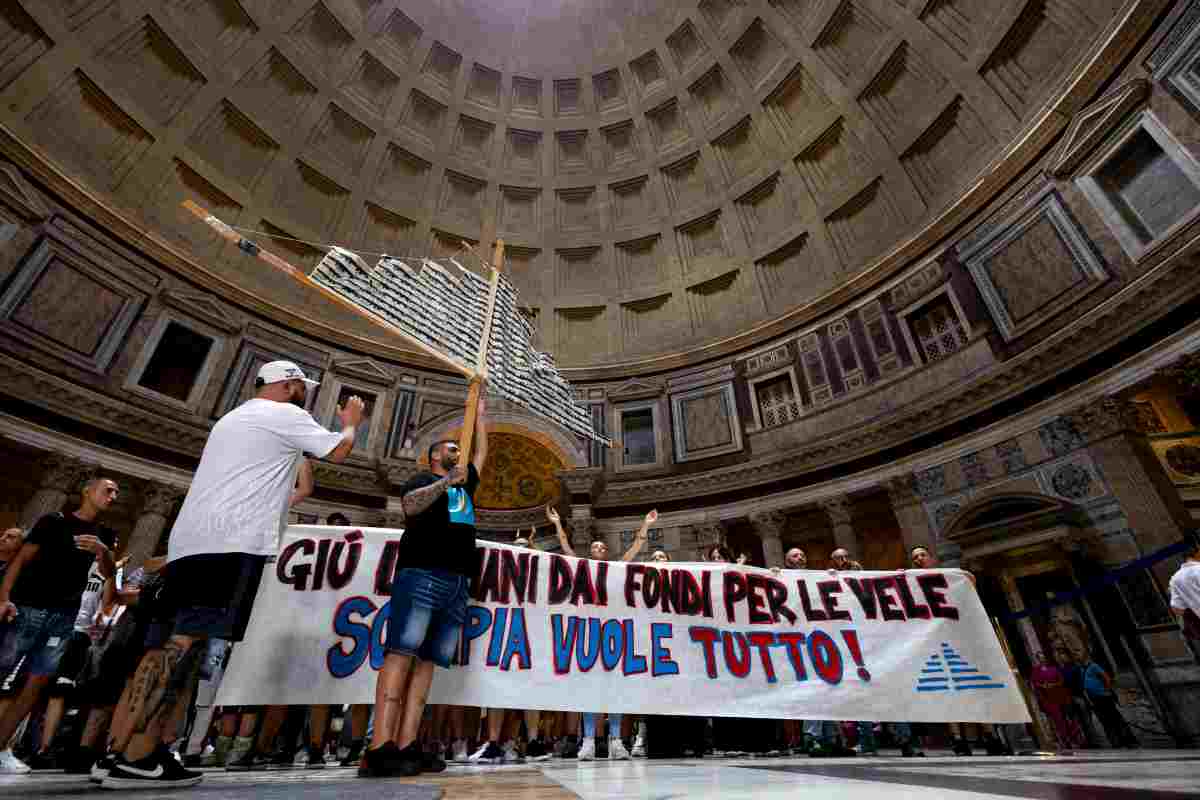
column 364, row 368
column 20, row 195
column 636, row 389
column 201, row 307
column 1093, row 124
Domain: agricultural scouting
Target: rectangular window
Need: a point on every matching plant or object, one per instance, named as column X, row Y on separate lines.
column 777, row 403
column 1146, row 187
column 597, row 452
column 637, row 436
column 362, row 434
column 400, row 437
column 173, row 369
column 936, row 328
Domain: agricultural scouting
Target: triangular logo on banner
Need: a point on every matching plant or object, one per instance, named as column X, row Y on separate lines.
column 948, row 671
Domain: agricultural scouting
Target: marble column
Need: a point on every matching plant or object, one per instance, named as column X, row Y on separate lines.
column 1150, row 501
column 769, row 525
column 158, row 500
column 837, row 509
column 581, row 486
column 906, row 505
column 61, row 479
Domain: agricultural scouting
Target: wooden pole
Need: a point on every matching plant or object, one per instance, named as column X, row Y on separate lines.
column 283, row 266
column 467, row 437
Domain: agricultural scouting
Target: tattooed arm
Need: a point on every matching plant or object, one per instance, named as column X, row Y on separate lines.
column 563, row 541
column 419, row 500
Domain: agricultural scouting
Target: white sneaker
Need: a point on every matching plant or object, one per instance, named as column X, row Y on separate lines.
column 11, row 765
column 459, row 749
column 587, row 750
column 639, row 747
column 488, row 753
column 616, row 749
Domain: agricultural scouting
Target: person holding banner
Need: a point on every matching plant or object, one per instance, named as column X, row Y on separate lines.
column 599, row 552
column 229, row 524
column 434, row 566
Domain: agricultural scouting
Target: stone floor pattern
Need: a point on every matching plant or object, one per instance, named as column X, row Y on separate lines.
column 1150, row 775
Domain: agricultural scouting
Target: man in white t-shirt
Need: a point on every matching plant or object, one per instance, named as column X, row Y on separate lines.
column 230, row 523
column 1185, row 593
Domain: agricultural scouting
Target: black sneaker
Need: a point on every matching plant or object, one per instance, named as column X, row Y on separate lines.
column 157, row 769
column 430, row 762
column 962, row 748
column 388, row 761
column 316, row 758
column 354, row 756
column 41, row 761
column 536, row 751
column 251, row 760
column 99, row 770
column 282, row 758
column 80, row 762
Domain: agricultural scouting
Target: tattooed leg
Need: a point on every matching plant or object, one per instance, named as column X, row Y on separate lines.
column 162, row 679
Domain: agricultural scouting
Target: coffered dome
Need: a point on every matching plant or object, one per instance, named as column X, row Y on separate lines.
column 665, row 174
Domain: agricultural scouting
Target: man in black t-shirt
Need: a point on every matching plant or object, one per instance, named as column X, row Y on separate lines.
column 435, row 564
column 41, row 590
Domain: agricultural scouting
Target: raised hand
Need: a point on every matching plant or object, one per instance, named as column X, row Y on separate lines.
column 652, row 517
column 552, row 514
column 352, row 412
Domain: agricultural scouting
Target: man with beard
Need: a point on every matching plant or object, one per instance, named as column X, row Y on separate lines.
column 230, row 523
column 434, row 567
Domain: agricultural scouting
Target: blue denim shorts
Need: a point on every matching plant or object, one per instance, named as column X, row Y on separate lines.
column 40, row 636
column 428, row 610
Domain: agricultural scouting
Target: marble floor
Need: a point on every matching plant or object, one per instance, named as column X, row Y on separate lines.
column 1149, row 775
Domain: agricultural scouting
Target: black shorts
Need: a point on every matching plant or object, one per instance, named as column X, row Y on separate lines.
column 74, row 659
column 209, row 596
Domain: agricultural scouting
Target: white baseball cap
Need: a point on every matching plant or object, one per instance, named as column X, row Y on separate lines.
column 276, row 371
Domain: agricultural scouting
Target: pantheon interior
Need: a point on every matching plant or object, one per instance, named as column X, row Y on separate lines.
column 830, row 273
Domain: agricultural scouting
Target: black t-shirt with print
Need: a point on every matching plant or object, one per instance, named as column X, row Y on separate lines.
column 443, row 535
column 57, row 575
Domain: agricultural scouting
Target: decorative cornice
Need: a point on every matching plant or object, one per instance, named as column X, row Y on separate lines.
column 61, row 473
column 1120, row 38
column 160, row 499
column 349, row 478
column 19, row 195
column 1094, row 123
column 28, row 383
column 837, row 509
column 768, row 524
column 202, row 307
column 1156, row 293
column 366, row 369
column 1110, row 416
column 582, row 480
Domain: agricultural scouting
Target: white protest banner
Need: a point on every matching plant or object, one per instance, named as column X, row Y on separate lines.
column 549, row 632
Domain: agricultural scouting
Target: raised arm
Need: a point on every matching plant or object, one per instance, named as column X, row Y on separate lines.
column 481, row 436
column 304, row 483
column 639, row 541
column 351, row 416
column 563, row 541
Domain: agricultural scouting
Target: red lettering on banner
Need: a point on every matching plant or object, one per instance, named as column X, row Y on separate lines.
column 764, row 640
column 912, row 609
column 792, row 641
column 706, row 637
column 810, row 613
column 934, row 586
column 827, row 590
column 889, row 607
column 756, row 598
column 738, row 663
column 777, row 596
column 734, row 586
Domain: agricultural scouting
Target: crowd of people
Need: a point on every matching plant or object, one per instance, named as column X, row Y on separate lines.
column 112, row 672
